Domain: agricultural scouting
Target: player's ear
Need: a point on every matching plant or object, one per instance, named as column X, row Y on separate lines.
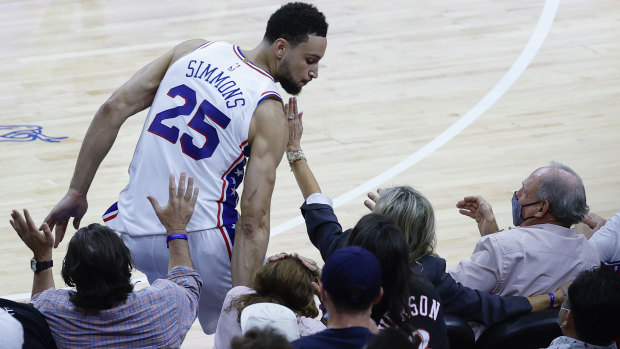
column 281, row 47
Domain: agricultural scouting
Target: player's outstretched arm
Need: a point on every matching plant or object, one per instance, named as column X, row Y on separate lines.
column 133, row 96
column 268, row 135
column 305, row 178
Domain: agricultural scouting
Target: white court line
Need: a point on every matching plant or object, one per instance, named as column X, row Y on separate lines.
column 512, row 75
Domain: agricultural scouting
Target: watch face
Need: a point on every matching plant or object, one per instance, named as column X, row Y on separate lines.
column 33, row 264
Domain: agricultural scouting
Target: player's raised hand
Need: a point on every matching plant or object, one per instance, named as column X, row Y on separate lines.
column 477, row 208
column 177, row 213
column 73, row 204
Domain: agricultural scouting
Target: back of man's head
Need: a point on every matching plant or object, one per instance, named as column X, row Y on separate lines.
column 99, row 265
column 352, row 279
column 563, row 189
column 294, row 22
column 594, row 302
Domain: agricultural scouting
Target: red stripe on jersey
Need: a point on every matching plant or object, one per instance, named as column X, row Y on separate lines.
column 206, row 45
column 224, row 182
column 250, row 64
column 225, row 236
column 243, row 144
column 110, row 217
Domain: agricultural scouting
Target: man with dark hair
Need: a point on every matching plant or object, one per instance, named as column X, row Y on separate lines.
column 589, row 315
column 542, row 253
column 212, row 105
column 104, row 311
column 351, row 284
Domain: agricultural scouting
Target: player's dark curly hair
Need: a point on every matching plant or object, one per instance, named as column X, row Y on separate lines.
column 99, row 265
column 294, row 22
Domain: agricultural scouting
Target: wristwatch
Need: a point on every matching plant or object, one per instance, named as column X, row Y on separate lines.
column 37, row 266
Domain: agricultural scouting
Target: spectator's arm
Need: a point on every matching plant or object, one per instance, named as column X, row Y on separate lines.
column 323, row 228
column 470, row 304
column 40, row 242
column 305, row 178
column 175, row 216
column 267, row 141
column 606, row 240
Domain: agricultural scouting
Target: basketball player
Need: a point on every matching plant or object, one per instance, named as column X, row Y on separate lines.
column 212, row 104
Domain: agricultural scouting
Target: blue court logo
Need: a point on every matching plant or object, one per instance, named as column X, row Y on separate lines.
column 25, row 133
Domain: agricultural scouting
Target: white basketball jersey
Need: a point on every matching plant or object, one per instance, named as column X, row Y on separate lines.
column 199, row 124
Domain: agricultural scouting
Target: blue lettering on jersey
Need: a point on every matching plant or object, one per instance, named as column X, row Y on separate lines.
column 223, row 83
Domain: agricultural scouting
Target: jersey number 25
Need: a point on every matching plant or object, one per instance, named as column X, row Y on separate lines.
column 197, row 123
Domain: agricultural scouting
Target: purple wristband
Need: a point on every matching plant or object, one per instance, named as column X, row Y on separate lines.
column 552, row 300
column 174, row 237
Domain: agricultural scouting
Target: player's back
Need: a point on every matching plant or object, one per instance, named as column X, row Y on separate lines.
column 198, row 123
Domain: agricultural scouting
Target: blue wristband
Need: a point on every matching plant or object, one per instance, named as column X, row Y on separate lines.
column 174, row 237
column 552, row 300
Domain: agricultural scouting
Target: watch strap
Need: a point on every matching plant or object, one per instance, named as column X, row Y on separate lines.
column 40, row 266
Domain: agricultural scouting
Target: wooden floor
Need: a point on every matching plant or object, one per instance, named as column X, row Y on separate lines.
column 397, row 73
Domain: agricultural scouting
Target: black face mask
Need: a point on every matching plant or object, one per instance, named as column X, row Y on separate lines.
column 517, row 209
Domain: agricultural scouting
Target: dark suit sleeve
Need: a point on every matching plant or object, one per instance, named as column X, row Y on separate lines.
column 469, row 304
column 324, row 231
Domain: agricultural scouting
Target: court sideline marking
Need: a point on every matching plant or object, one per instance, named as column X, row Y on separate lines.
column 530, row 50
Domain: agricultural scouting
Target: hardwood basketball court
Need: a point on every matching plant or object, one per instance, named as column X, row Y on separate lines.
column 396, row 75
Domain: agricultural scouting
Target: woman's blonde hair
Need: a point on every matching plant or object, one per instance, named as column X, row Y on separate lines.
column 413, row 214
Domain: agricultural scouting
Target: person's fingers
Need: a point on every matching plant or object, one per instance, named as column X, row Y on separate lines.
column 467, row 213
column 369, row 204
column 190, row 188
column 47, row 232
column 171, row 186
column 29, row 221
column 20, row 223
column 372, row 196
column 295, row 105
column 76, row 222
column 316, row 287
column 181, row 188
column 154, row 203
column 194, row 198
column 60, row 232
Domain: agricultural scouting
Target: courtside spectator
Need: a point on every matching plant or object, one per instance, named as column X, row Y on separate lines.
column 286, row 279
column 413, row 214
column 351, row 284
column 542, row 253
column 589, row 315
column 104, row 311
